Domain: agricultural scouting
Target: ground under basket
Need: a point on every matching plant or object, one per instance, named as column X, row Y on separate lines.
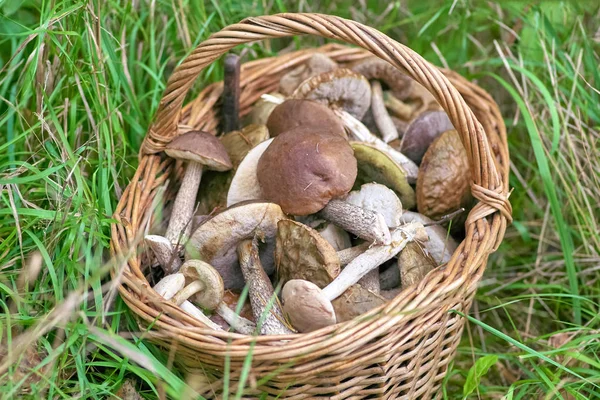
column 398, row 351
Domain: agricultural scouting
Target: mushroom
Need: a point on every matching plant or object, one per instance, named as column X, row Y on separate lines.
column 165, row 254
column 335, row 236
column 317, row 64
column 265, row 304
column 379, row 198
column 306, row 307
column 351, row 274
column 375, row 165
column 340, row 89
column 440, row 245
column 357, row 131
column 444, row 183
column 205, row 286
column 215, row 241
column 375, row 68
column 168, row 287
column 231, row 93
column 422, row 131
column 382, row 119
column 305, row 173
column 215, row 185
column 262, row 109
column 414, row 264
column 355, row 301
column 244, row 185
column 398, row 108
column 301, row 253
column 307, row 114
column 199, row 149
column 349, row 254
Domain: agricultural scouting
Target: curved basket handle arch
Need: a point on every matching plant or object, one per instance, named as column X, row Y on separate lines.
column 487, row 183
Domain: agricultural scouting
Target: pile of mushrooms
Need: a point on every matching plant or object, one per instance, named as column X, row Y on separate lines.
column 329, row 198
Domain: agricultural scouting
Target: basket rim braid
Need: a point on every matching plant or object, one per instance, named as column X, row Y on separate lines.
column 399, row 350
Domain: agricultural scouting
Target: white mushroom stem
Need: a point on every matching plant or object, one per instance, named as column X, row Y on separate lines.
column 371, row 259
column 264, row 302
column 349, row 254
column 360, row 132
column 168, row 288
column 365, row 224
column 380, row 115
column 399, row 108
column 166, row 255
column 188, row 291
column 180, row 224
column 237, row 322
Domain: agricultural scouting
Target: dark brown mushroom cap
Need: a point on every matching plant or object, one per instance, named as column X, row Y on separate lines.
column 295, row 113
column 303, row 171
column 375, row 68
column 355, row 301
column 422, row 131
column 443, row 183
column 200, row 147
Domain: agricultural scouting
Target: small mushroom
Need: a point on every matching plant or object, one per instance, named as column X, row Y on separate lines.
column 340, row 89
column 244, row 185
column 306, row 114
column 262, row 109
column 414, row 264
column 306, row 307
column 200, row 150
column 440, row 245
column 357, row 131
column 317, row 64
column 375, row 68
column 165, row 254
column 215, row 241
column 379, row 198
column 382, row 119
column 265, row 304
column 305, row 173
column 422, row 131
column 301, row 253
column 375, row 165
column 355, row 301
column 444, row 183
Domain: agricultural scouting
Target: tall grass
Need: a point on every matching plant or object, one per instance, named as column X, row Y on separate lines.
column 80, row 83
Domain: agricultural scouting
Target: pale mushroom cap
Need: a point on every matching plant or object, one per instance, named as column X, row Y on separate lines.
column 262, row 110
column 340, row 88
column 378, row 198
column 168, row 286
column 306, row 307
column 244, row 185
column 422, row 131
column 301, row 253
column 216, row 240
column 317, row 64
column 440, row 245
column 305, row 114
column 239, row 143
column 444, row 180
column 212, row 294
column 338, row 238
column 202, row 148
column 375, row 165
column 375, row 68
column 303, row 172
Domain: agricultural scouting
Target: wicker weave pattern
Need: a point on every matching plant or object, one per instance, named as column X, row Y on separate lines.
column 400, row 350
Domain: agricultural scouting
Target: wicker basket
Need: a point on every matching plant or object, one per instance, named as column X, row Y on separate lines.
column 400, row 350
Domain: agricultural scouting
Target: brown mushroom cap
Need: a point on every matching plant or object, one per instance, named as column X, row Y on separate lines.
column 375, row 68
column 202, row 148
column 301, row 253
column 443, row 184
column 306, row 307
column 303, row 172
column 414, row 264
column 422, row 131
column 340, row 88
column 355, row 301
column 309, row 115
column 317, row 64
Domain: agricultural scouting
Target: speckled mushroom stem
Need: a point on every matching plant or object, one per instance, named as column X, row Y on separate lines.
column 231, row 93
column 360, row 132
column 380, row 115
column 260, row 291
column 373, row 258
column 180, row 224
column 365, row 224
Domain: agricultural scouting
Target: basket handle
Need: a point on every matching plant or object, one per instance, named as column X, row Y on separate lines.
column 487, row 184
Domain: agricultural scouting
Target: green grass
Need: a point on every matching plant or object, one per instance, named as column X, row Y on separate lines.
column 80, row 83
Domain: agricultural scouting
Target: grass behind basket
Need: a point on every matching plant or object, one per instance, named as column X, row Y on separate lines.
column 80, row 82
